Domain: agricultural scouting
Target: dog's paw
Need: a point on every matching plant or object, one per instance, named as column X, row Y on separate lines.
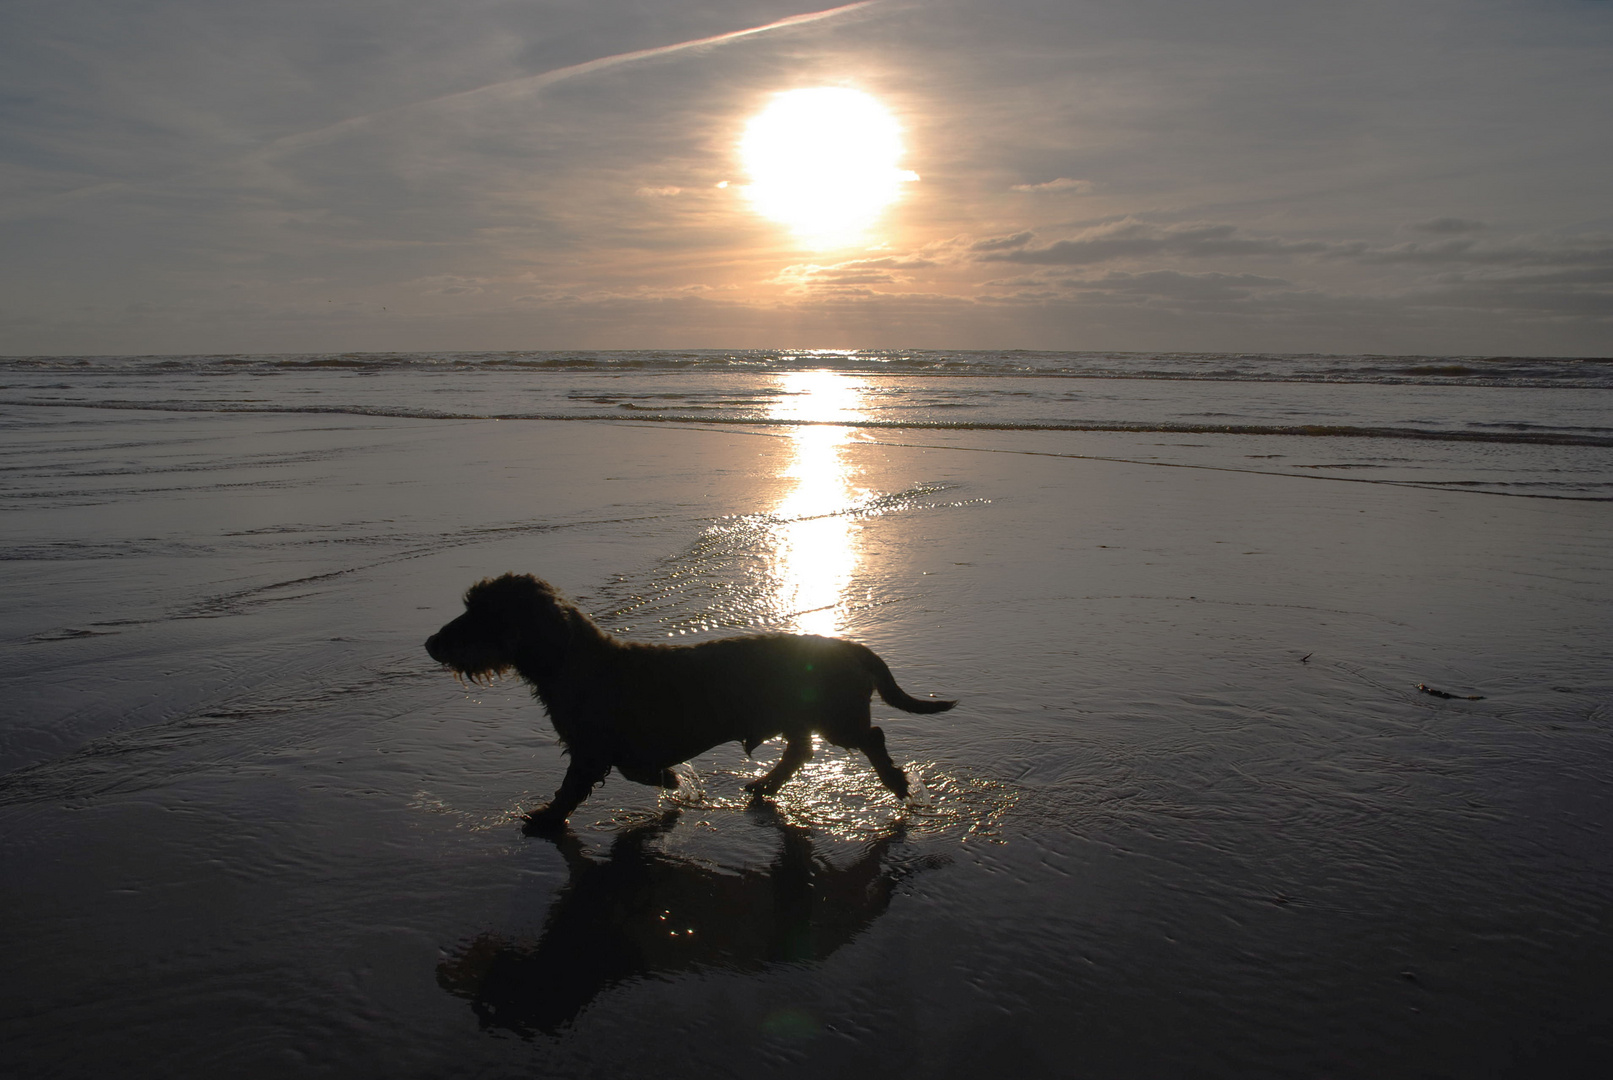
column 544, row 822
column 918, row 796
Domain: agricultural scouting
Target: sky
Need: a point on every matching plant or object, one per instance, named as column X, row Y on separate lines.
column 231, row 176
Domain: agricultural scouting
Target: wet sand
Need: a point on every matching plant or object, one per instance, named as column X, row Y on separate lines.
column 1192, row 818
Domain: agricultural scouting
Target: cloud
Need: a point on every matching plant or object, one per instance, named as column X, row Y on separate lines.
column 1135, row 240
column 449, row 285
column 1173, row 289
column 1590, row 251
column 1029, row 281
column 1063, row 183
column 1446, row 225
column 1132, row 239
column 531, row 83
column 859, row 272
column 999, row 243
column 1174, row 283
column 895, row 262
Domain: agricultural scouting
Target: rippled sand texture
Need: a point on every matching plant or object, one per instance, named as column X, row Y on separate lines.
column 1192, row 818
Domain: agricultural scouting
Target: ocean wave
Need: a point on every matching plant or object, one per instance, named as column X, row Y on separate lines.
column 1518, row 433
column 1571, row 372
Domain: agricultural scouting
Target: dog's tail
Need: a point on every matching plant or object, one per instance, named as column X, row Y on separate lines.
column 892, row 694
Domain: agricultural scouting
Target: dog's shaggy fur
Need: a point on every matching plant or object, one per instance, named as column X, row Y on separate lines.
column 641, row 708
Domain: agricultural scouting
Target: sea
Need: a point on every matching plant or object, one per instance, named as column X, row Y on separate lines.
column 1534, row 426
column 1283, row 745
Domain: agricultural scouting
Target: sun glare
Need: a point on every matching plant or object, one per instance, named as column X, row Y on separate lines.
column 824, row 163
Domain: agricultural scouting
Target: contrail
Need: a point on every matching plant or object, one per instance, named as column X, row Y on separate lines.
column 525, row 84
column 528, row 83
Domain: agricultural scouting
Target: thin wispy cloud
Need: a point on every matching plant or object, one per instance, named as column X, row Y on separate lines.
column 531, row 84
column 1136, row 239
column 1063, row 183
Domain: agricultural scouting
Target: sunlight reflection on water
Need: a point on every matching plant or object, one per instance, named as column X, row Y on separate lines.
column 817, row 550
column 837, row 795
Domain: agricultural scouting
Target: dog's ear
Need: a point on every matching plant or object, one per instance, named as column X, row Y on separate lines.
column 533, row 620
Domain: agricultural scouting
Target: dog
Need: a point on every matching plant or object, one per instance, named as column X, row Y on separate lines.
column 642, row 708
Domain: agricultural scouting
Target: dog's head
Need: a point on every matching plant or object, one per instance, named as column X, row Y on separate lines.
column 514, row 621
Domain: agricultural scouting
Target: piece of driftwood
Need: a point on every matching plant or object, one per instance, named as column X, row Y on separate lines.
column 1425, row 688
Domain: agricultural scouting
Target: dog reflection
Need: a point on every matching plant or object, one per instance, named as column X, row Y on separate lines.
column 642, row 911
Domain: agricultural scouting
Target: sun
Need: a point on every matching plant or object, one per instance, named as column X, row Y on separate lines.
column 824, row 162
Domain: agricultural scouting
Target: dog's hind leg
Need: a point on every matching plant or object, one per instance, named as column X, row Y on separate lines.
column 797, row 752
column 873, row 744
column 581, row 776
column 661, row 778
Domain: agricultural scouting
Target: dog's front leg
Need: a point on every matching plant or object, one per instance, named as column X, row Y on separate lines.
column 797, row 751
column 581, row 776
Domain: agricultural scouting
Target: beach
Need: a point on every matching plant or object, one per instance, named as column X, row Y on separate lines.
column 1258, row 769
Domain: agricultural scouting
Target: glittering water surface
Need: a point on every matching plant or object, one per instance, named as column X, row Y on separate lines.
column 1538, row 426
column 816, row 552
column 1193, row 815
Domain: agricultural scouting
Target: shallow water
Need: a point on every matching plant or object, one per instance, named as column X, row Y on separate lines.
column 1539, row 427
column 1192, row 818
